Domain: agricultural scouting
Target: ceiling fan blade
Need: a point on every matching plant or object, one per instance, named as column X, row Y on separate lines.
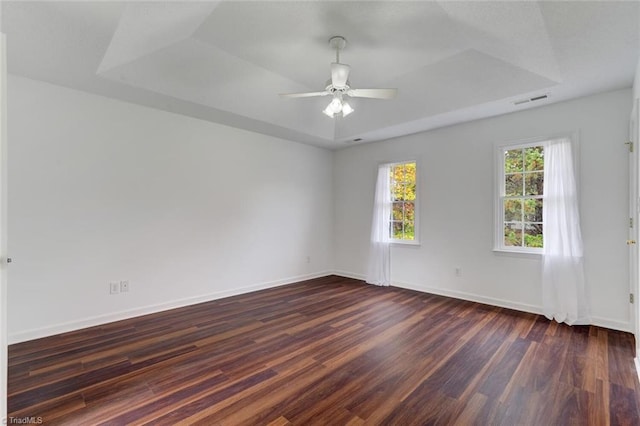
column 373, row 93
column 303, row 95
column 339, row 74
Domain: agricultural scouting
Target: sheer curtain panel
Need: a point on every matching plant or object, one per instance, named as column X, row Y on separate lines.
column 379, row 269
column 563, row 282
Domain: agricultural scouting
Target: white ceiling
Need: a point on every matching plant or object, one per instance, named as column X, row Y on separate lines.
column 227, row 61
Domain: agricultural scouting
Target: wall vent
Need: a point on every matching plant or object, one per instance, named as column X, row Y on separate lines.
column 535, row 98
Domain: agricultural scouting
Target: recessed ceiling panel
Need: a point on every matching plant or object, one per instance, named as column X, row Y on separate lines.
column 147, row 27
column 53, row 41
column 202, row 74
column 594, row 42
column 512, row 31
column 227, row 61
column 468, row 78
column 291, row 38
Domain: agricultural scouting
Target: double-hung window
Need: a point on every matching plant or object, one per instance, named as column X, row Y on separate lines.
column 519, row 224
column 403, row 224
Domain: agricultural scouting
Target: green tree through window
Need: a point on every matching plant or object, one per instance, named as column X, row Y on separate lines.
column 522, row 199
column 403, row 199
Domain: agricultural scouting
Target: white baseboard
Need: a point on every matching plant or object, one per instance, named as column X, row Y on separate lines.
column 350, row 275
column 612, row 324
column 517, row 306
column 32, row 334
column 37, row 333
column 523, row 307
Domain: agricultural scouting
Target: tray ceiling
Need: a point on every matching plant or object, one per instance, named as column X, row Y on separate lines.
column 227, row 61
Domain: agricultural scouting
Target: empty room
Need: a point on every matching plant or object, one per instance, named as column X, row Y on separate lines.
column 319, row 212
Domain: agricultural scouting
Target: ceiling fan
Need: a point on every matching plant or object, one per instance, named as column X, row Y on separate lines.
column 339, row 86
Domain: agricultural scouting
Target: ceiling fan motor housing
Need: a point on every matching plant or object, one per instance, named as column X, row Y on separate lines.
column 332, row 89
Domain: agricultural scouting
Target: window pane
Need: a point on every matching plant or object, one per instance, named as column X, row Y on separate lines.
column 532, row 210
column 410, row 191
column 410, row 172
column 534, row 158
column 409, row 231
column 409, row 211
column 533, row 235
column 398, row 173
column 513, row 234
column 512, row 210
column 397, row 191
column 534, row 183
column 513, row 161
column 397, row 230
column 513, row 185
column 396, row 210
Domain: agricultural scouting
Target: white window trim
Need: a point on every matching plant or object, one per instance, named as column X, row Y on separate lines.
column 416, row 206
column 498, row 231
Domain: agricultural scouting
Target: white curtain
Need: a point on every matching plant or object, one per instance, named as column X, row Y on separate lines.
column 563, row 282
column 379, row 270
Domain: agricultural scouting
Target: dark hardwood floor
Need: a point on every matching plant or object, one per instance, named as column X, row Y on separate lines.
column 330, row 351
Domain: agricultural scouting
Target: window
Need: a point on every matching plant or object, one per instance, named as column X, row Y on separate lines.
column 403, row 224
column 519, row 225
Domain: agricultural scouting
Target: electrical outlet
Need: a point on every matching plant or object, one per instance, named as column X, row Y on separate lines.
column 458, row 271
column 308, row 259
column 114, row 288
column 124, row 286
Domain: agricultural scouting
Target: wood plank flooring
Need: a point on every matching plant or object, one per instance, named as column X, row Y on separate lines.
column 330, row 351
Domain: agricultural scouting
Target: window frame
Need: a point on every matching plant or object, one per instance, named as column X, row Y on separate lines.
column 498, row 187
column 416, row 206
column 499, row 190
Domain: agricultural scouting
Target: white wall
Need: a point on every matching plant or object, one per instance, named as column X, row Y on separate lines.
column 636, row 286
column 3, row 227
column 456, row 178
column 636, row 83
column 186, row 210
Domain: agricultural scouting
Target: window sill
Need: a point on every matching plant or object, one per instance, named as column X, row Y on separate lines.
column 405, row 243
column 518, row 253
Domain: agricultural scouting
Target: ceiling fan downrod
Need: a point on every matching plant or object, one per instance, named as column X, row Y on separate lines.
column 338, row 43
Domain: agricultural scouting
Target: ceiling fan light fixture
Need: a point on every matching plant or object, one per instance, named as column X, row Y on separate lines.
column 336, row 105
column 346, row 109
column 327, row 111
